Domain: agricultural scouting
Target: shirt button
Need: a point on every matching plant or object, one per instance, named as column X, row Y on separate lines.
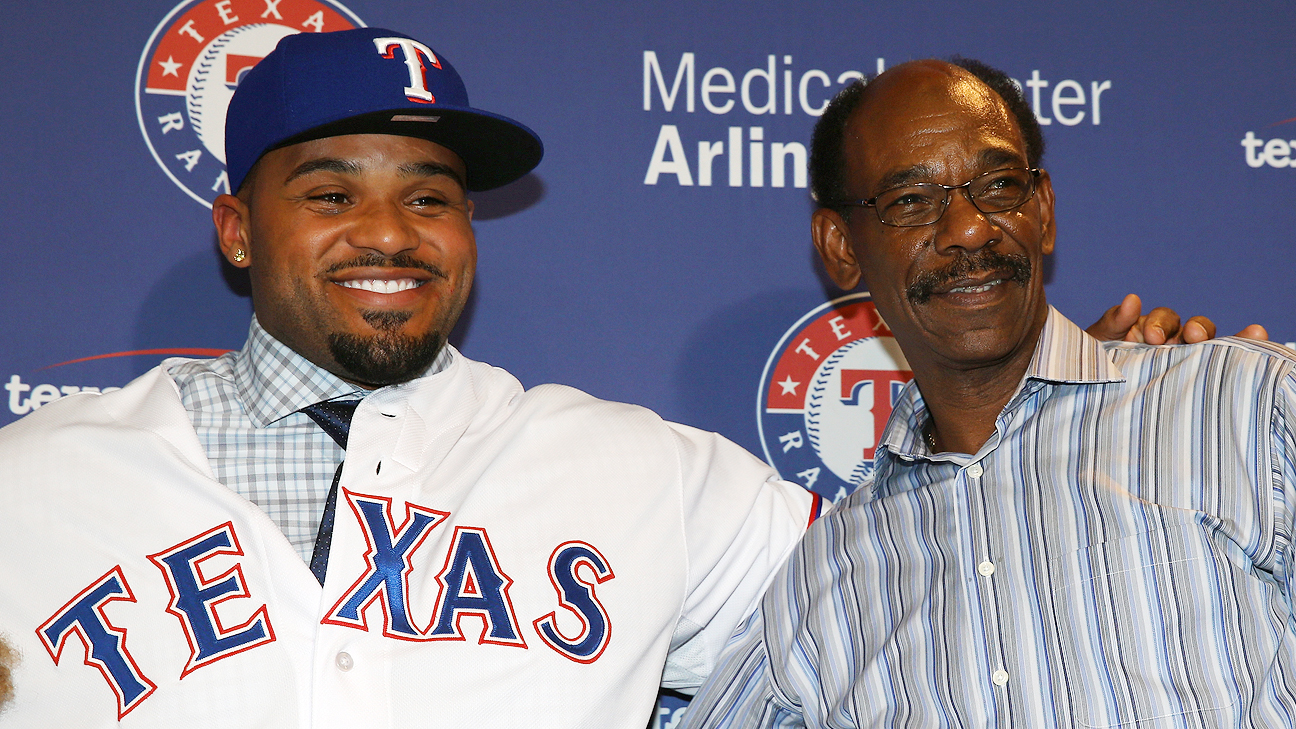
column 345, row 662
column 986, row 569
column 999, row 677
column 975, row 470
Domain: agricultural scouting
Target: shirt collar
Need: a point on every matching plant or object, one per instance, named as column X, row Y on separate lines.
column 273, row 381
column 1064, row 354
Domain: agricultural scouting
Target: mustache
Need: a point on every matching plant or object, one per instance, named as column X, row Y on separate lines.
column 1016, row 265
column 375, row 260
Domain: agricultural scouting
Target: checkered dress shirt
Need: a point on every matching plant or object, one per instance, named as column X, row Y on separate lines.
column 245, row 407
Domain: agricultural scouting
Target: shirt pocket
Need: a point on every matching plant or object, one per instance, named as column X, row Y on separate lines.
column 1138, row 628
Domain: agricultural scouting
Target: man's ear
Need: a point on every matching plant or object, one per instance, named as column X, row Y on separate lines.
column 1044, row 191
column 832, row 240
column 232, row 220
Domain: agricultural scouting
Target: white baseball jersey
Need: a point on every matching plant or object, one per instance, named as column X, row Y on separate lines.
column 501, row 558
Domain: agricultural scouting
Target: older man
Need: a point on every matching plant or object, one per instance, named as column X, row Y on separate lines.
column 1061, row 532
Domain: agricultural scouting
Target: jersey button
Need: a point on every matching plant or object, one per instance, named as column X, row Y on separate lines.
column 986, row 568
column 975, row 470
column 344, row 661
column 999, row 677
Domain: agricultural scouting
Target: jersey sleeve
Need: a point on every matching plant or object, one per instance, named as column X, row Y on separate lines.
column 739, row 524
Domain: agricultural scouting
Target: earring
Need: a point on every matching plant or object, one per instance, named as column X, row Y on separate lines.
column 239, row 255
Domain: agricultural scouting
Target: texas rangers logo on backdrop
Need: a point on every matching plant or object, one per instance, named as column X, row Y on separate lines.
column 191, row 66
column 826, row 393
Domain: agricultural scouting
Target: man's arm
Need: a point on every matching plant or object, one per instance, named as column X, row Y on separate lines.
column 740, row 523
column 1282, row 438
column 1160, row 326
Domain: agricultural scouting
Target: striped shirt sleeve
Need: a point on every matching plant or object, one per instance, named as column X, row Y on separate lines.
column 740, row 693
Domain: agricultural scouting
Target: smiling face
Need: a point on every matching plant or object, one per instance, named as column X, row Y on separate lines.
column 360, row 251
column 967, row 290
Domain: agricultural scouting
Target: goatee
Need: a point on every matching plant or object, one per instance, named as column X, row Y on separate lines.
column 387, row 357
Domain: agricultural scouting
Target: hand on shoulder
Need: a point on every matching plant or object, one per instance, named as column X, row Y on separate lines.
column 1126, row 322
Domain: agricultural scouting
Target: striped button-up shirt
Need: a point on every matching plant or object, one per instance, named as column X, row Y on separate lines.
column 1118, row 553
column 246, row 409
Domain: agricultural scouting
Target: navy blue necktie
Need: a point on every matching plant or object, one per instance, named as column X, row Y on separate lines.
column 334, row 417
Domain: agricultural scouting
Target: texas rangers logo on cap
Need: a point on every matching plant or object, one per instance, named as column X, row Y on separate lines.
column 190, row 67
column 826, row 393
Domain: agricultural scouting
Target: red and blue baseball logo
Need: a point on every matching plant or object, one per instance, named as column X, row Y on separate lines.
column 191, row 66
column 826, row 393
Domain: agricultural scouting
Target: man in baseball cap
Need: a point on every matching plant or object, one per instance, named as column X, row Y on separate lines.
column 348, row 522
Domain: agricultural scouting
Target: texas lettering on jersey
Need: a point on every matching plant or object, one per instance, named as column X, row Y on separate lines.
column 472, row 584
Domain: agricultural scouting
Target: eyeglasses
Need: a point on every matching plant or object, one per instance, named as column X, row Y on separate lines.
column 923, row 203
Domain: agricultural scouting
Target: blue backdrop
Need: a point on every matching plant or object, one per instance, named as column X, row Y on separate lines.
column 641, row 261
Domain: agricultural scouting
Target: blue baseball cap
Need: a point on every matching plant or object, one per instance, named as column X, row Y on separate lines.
column 369, row 81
